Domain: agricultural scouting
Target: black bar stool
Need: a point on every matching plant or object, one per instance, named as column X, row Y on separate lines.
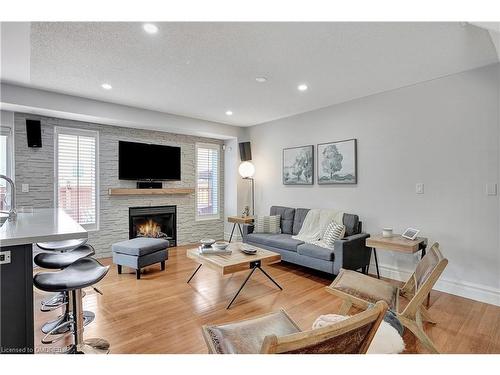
column 61, row 260
column 58, row 246
column 81, row 274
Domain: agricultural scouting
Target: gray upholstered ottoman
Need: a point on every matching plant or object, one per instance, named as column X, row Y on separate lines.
column 140, row 252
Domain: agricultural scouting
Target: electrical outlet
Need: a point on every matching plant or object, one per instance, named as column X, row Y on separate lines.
column 25, row 188
column 5, row 257
column 419, row 188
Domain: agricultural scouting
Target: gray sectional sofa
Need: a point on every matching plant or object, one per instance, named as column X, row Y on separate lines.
column 349, row 252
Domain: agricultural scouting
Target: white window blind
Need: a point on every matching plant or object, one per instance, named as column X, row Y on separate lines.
column 76, row 175
column 207, row 181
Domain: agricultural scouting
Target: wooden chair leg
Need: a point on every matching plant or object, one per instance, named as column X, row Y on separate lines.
column 419, row 333
column 344, row 309
column 426, row 316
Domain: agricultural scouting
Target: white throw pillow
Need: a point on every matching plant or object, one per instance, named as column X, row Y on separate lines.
column 386, row 341
column 333, row 233
column 267, row 224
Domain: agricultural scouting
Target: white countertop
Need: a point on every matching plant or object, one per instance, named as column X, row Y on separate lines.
column 44, row 224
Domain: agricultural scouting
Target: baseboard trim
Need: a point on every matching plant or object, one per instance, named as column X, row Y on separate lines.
column 465, row 289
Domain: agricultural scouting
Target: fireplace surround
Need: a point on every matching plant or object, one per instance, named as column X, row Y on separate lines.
column 154, row 222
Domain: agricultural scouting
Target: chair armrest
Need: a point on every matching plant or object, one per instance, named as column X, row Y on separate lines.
column 247, row 229
column 351, row 252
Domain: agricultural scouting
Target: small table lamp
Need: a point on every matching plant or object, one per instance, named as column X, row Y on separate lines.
column 247, row 170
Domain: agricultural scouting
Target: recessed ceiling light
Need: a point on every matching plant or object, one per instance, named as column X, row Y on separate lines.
column 106, row 86
column 150, row 28
column 229, row 113
column 302, row 87
column 261, row 79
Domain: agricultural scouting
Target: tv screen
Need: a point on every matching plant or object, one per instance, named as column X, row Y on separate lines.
column 141, row 161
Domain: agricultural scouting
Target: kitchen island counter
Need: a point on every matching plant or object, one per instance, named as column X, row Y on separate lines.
column 16, row 271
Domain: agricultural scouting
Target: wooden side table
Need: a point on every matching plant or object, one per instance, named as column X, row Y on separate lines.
column 237, row 221
column 396, row 243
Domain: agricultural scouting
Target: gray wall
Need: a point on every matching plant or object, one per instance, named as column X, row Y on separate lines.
column 36, row 168
column 443, row 133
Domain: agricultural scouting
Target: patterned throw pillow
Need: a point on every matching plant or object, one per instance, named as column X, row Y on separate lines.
column 267, row 224
column 333, row 232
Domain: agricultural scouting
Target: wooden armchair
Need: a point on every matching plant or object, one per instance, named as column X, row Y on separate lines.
column 277, row 333
column 361, row 291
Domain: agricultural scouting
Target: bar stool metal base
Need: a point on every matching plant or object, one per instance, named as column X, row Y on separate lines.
column 54, row 302
column 90, row 346
column 88, row 317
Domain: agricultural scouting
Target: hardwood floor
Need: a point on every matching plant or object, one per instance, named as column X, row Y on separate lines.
column 161, row 313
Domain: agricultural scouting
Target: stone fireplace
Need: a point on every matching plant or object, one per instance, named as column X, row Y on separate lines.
column 154, row 221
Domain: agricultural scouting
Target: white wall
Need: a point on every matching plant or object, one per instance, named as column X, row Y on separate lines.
column 7, row 119
column 443, row 133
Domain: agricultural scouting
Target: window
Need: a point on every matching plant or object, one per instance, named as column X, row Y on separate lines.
column 76, row 170
column 207, row 181
column 5, row 165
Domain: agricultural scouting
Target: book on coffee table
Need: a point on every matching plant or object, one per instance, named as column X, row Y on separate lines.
column 210, row 250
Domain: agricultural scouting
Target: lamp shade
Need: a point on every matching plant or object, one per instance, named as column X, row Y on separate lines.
column 246, row 169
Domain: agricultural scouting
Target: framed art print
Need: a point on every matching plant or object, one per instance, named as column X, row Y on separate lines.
column 298, row 165
column 337, row 162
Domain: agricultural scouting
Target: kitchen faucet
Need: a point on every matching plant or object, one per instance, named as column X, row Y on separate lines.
column 12, row 212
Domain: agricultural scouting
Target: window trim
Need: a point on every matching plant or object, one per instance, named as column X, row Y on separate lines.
column 83, row 132
column 8, row 132
column 213, row 146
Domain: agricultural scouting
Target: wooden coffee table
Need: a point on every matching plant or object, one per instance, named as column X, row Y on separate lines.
column 235, row 262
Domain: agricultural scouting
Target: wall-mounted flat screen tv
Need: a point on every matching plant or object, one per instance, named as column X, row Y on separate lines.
column 142, row 161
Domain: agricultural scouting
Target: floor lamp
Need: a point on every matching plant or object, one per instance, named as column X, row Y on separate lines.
column 247, row 170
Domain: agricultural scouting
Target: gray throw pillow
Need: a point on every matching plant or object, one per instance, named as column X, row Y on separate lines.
column 267, row 224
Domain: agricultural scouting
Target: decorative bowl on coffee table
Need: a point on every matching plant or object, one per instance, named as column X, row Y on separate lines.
column 207, row 242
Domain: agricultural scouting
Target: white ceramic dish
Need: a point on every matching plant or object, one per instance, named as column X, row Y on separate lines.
column 248, row 250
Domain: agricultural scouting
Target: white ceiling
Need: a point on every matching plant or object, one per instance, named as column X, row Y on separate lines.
column 201, row 70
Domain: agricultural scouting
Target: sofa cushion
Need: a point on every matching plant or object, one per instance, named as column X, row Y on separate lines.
column 287, row 214
column 281, row 241
column 314, row 251
column 267, row 224
column 333, row 232
column 300, row 215
column 140, row 246
column 351, row 223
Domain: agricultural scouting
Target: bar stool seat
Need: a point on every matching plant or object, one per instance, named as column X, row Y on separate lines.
column 66, row 245
column 62, row 260
column 78, row 275
column 81, row 274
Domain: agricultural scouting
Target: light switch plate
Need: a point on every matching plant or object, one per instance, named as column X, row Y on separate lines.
column 419, row 188
column 25, row 188
column 491, row 189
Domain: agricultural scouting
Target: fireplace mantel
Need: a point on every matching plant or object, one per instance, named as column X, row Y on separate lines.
column 167, row 191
